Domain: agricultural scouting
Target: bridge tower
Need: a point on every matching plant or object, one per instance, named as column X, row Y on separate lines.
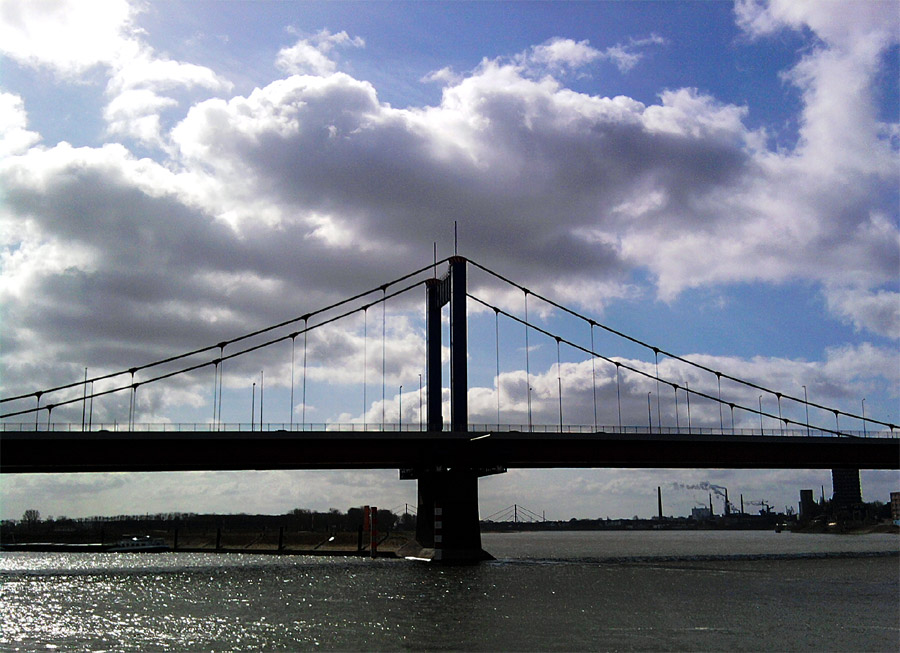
column 447, row 515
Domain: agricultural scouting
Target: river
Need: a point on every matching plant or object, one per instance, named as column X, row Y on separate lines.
column 631, row 591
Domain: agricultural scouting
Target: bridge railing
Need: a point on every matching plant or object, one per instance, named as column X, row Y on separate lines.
column 393, row 427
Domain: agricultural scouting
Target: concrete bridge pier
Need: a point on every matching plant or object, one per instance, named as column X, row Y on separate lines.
column 448, row 516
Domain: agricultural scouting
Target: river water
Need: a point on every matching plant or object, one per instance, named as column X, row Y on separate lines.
column 656, row 590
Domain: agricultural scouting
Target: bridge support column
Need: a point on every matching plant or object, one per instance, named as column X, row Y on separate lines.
column 455, row 493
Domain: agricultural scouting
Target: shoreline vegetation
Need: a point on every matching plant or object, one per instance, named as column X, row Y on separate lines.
column 303, row 532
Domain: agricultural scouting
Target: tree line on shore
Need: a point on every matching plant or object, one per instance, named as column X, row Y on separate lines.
column 298, row 520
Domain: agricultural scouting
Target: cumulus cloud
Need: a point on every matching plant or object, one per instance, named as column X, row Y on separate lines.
column 878, row 312
column 839, row 379
column 565, row 52
column 68, row 37
column 136, row 113
column 312, row 56
column 15, row 138
column 562, row 53
column 73, row 40
column 310, row 187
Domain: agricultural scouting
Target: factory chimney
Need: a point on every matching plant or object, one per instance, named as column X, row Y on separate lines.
column 742, row 503
column 659, row 500
column 711, row 513
column 727, row 507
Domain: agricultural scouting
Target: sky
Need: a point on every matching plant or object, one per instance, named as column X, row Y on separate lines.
column 718, row 180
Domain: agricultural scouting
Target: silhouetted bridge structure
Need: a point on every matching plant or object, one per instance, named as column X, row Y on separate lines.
column 446, row 462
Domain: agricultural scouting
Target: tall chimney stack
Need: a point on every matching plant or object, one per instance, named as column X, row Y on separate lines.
column 727, row 507
column 659, row 499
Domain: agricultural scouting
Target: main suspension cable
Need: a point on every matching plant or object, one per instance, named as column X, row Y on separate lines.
column 220, row 345
column 640, row 372
column 222, row 358
column 657, row 350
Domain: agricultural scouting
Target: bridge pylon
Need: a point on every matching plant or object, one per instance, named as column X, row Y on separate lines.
column 447, row 514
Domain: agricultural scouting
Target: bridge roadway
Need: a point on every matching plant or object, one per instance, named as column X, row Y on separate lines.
column 53, row 451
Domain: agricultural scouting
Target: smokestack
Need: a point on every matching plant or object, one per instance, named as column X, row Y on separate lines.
column 659, row 499
column 727, row 507
column 742, row 503
column 711, row 513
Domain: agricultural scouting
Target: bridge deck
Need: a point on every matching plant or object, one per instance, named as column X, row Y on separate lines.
column 25, row 452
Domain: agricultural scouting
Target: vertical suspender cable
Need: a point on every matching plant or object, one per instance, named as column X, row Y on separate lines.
column 781, row 421
column 134, row 388
column 497, row 341
column 215, row 393
column 221, row 376
column 618, row 397
column 559, row 383
column 806, row 403
column 687, row 391
column 865, row 431
column 721, row 420
column 131, row 402
column 91, row 409
column 84, row 400
column 303, row 410
column 658, row 413
column 37, row 410
column 677, row 425
column 593, row 374
column 365, row 364
column 291, row 416
column 383, row 359
column 527, row 365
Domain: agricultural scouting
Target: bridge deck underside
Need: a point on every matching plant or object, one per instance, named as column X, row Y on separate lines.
column 31, row 452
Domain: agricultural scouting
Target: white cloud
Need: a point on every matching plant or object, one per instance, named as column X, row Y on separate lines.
column 310, row 185
column 560, row 53
column 147, row 71
column 875, row 311
column 564, row 52
column 842, row 23
column 311, row 56
column 74, row 38
column 136, row 113
column 839, row 380
column 67, row 36
column 15, row 138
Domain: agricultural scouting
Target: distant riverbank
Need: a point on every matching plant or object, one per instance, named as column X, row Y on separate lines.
column 266, row 542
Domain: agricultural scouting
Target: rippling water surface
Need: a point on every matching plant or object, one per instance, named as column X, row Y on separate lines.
column 547, row 591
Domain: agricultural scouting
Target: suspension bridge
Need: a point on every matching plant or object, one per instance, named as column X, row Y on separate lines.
column 446, row 458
